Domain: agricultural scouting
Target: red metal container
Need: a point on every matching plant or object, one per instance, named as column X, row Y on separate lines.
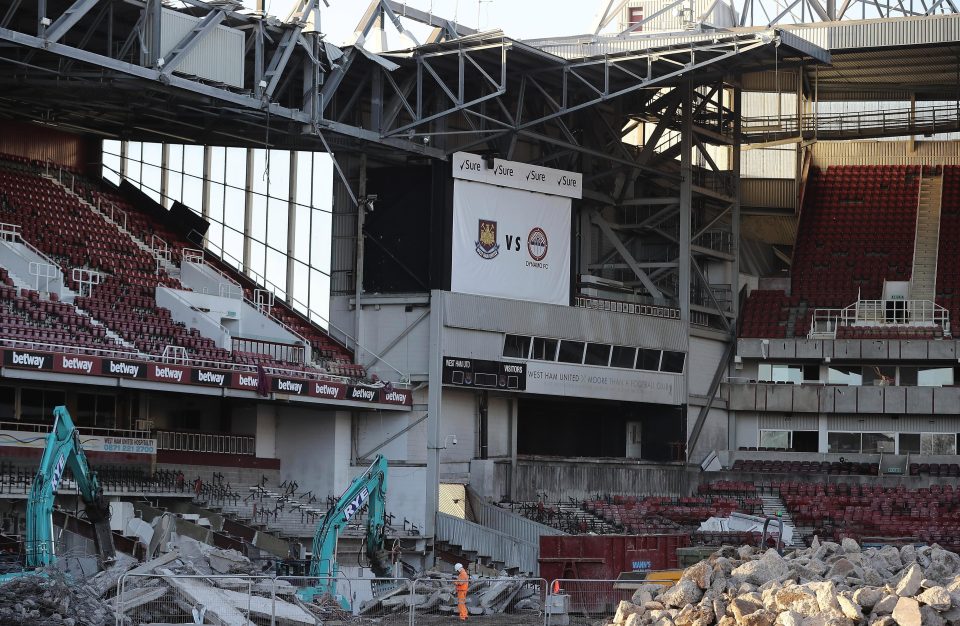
column 605, row 557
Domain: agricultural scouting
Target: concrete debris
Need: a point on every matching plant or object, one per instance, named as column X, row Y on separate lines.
column 48, row 598
column 828, row 584
column 435, row 593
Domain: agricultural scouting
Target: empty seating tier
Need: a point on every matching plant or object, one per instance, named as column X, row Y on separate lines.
column 63, row 227
column 856, row 231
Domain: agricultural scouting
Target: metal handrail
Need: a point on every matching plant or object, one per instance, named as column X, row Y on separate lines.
column 876, row 313
column 152, row 358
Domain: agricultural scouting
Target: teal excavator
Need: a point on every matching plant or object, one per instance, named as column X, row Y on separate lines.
column 63, row 451
column 370, row 488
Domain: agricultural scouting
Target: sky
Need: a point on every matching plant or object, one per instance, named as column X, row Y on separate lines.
column 520, row 19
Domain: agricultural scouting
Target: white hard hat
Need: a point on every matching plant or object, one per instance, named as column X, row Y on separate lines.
column 458, row 566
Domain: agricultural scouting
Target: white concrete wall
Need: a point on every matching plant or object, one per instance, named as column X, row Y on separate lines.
column 747, row 431
column 498, row 427
column 314, row 449
column 406, row 492
column 204, row 279
column 266, row 429
column 381, row 325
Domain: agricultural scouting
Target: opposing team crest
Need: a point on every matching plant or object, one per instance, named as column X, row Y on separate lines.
column 487, row 246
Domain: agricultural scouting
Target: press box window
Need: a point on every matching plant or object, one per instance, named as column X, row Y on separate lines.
column 672, row 362
column 597, row 354
column 570, row 352
column 516, row 346
column 648, row 360
column 544, row 349
column 623, row 357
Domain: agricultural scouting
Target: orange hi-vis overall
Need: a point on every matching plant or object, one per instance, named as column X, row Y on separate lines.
column 462, row 583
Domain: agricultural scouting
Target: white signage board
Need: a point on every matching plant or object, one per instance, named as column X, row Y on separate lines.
column 90, row 443
column 509, row 243
column 517, row 175
column 581, row 381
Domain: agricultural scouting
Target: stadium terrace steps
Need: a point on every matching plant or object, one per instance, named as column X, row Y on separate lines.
column 923, row 282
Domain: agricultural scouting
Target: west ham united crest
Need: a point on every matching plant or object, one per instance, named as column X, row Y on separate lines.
column 487, row 246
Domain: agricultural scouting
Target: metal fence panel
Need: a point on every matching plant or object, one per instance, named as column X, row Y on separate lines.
column 494, row 601
column 578, row 602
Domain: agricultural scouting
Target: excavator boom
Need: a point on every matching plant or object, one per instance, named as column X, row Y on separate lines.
column 370, row 489
column 63, row 451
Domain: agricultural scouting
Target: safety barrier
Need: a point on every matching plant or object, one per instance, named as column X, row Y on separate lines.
column 163, row 598
column 576, row 602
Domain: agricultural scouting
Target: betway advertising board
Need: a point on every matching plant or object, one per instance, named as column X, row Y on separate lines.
column 511, row 230
column 200, row 376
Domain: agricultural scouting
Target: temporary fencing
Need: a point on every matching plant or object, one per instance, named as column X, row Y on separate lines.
column 575, row 602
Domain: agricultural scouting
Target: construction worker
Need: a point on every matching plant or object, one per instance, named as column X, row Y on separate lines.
column 463, row 581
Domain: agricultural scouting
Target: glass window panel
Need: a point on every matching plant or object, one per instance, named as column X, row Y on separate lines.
column 258, row 219
column 623, row 356
column 7, row 401
column 879, row 442
column 845, row 375
column 570, row 352
column 319, row 294
column 278, row 213
column 648, row 360
column 279, row 175
column 277, row 272
column 174, row 188
column 106, row 412
column 516, row 346
column 31, row 405
column 320, row 244
column 909, row 443
column 908, row 376
column 301, row 233
column 597, row 354
column 303, row 194
column 672, row 362
column 779, row 439
column 218, row 164
column 843, row 442
column 938, row 443
column 235, row 171
column 779, row 373
column 544, row 349
column 300, row 287
column 935, row 376
column 258, row 259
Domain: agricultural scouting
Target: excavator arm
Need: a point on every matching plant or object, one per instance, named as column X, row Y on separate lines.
column 63, row 451
column 370, row 488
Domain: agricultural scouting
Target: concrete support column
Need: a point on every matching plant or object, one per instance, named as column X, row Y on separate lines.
column 266, row 433
column 434, row 413
column 823, row 444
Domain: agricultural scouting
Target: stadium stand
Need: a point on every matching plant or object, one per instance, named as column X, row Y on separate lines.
column 841, row 255
column 61, row 225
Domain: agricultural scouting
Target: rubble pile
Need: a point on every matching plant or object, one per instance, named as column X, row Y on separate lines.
column 434, row 593
column 215, row 590
column 828, row 584
column 48, row 599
